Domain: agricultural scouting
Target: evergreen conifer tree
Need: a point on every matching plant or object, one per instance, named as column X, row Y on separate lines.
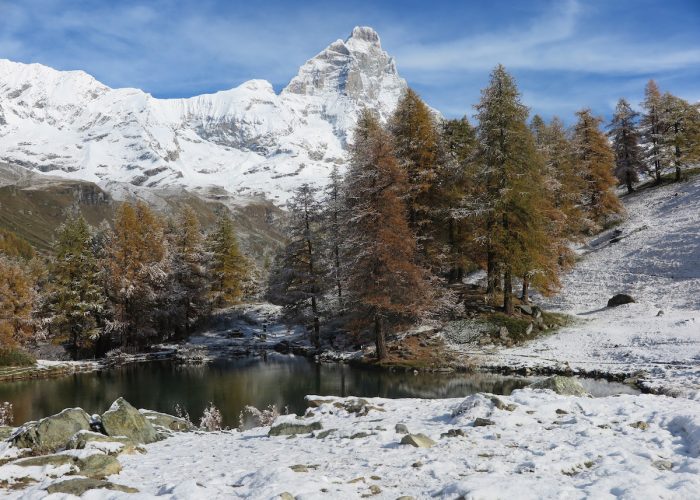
column 228, row 267
column 76, row 298
column 625, row 140
column 652, row 126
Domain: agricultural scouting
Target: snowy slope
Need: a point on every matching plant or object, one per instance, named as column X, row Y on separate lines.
column 549, row 446
column 657, row 261
column 248, row 140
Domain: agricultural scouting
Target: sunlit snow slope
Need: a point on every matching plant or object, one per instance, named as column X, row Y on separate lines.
column 248, row 140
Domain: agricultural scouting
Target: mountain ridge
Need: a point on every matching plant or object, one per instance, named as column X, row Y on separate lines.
column 248, row 139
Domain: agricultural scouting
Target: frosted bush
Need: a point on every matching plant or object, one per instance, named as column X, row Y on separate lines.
column 211, row 419
column 180, row 412
column 6, row 415
column 251, row 417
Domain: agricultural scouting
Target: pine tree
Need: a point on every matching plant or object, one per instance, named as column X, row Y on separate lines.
column 595, row 160
column 298, row 281
column 76, row 297
column 17, row 298
column 652, row 126
column 332, row 240
column 188, row 268
column 512, row 171
column 459, row 145
column 385, row 285
column 417, row 147
column 228, row 267
column 137, row 273
column 625, row 140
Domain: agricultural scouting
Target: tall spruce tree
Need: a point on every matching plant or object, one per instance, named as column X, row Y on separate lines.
column 457, row 182
column 652, row 127
column 595, row 161
column 512, row 171
column 76, row 297
column 625, row 140
column 332, row 232
column 228, row 267
column 298, row 281
column 385, row 285
column 189, row 287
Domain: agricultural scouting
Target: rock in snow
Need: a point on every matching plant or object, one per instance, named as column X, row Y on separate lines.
column 248, row 140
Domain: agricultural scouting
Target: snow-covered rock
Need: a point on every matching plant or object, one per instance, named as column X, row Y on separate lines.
column 249, row 139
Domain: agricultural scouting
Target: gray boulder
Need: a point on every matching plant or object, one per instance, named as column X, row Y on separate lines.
column 401, row 429
column 620, row 299
column 122, row 419
column 54, row 432
column 291, row 428
column 78, row 486
column 418, row 440
column 81, row 440
column 96, row 466
column 170, row 422
column 566, row 386
column 6, row 432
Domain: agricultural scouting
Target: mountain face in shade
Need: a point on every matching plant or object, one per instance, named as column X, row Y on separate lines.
column 248, row 140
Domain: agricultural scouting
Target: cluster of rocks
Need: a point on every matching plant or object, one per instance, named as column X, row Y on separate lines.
column 121, row 429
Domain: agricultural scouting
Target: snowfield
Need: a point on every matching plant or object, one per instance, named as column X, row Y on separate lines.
column 656, row 259
column 543, row 446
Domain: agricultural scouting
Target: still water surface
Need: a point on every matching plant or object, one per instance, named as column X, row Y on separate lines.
column 233, row 384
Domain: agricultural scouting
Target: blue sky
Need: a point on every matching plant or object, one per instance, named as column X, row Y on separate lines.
column 564, row 54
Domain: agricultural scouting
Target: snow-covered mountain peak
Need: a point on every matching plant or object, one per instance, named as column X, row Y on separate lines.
column 248, row 139
column 357, row 68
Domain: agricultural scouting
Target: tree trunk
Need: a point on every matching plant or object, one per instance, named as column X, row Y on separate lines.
column 628, row 178
column 657, row 169
column 379, row 338
column 508, row 291
column 316, row 338
column 525, row 297
column 490, row 273
column 678, row 173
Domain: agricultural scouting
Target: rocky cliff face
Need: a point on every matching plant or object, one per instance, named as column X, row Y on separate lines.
column 248, row 140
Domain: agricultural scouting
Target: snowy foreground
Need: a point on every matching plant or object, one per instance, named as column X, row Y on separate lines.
column 656, row 259
column 542, row 446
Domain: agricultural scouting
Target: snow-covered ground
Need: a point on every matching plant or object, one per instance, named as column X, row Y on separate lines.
column 546, row 446
column 656, row 260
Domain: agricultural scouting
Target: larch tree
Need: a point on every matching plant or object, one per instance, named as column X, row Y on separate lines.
column 137, row 273
column 680, row 140
column 228, row 267
column 595, row 162
column 652, row 127
column 385, row 285
column 623, row 132
column 17, row 298
column 511, row 169
column 417, row 148
column 76, row 295
column 298, row 281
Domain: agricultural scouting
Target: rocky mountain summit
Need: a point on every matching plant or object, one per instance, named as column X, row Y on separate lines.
column 249, row 140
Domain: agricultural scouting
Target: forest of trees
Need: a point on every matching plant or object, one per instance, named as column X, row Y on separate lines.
column 423, row 201
column 426, row 200
column 146, row 280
